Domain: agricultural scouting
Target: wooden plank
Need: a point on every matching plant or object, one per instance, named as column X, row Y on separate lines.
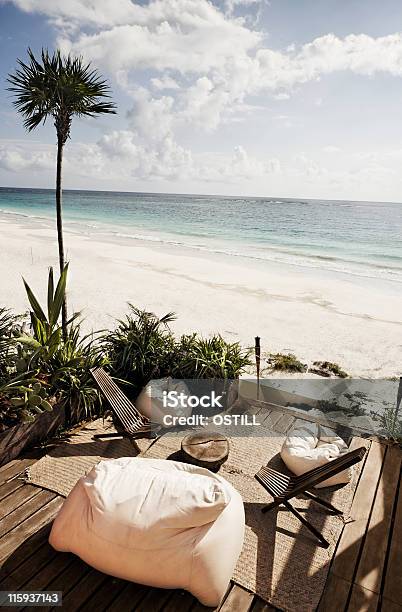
column 26, row 570
column 129, row 598
column 10, row 487
column 24, row 511
column 362, row 600
column 348, row 549
column 27, row 549
column 255, row 409
column 198, row 607
column 14, row 468
column 6, row 466
column 45, row 578
column 303, row 415
column 335, row 595
column 181, row 601
column 74, row 598
column 154, row 600
column 104, row 595
column 35, row 522
column 238, row 600
column 272, row 419
column 390, row 606
column 12, row 502
column 370, row 569
column 261, row 606
column 393, row 573
column 284, row 423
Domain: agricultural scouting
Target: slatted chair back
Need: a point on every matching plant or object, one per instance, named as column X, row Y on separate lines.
column 131, row 419
column 285, row 487
column 323, row 472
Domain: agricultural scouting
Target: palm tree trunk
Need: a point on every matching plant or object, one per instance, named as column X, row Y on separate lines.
column 59, row 216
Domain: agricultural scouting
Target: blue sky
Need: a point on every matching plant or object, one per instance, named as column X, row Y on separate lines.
column 293, row 98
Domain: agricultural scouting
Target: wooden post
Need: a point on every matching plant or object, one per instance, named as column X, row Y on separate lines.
column 398, row 402
column 257, row 350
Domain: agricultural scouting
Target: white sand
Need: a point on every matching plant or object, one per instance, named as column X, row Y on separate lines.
column 352, row 321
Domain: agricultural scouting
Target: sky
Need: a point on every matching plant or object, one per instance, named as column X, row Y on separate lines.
column 286, row 98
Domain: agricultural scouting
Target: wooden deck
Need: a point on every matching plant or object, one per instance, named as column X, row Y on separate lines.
column 365, row 572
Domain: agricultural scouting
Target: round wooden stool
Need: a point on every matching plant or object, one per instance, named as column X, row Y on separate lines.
column 206, row 449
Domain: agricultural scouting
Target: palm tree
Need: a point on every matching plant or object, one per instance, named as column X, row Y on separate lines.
column 58, row 87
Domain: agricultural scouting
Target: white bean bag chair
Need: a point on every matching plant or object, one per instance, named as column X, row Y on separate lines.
column 310, row 445
column 156, row 522
column 150, row 400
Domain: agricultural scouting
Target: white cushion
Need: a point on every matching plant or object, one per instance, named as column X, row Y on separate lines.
column 161, row 523
column 310, row 445
column 150, row 400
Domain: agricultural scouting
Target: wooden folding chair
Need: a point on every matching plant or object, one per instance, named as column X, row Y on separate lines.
column 130, row 422
column 283, row 488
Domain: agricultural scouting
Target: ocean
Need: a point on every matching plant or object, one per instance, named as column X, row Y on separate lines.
column 355, row 238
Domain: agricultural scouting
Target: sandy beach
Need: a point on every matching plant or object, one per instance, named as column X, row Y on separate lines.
column 317, row 315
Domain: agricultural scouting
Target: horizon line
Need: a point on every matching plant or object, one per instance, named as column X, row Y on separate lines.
column 205, row 195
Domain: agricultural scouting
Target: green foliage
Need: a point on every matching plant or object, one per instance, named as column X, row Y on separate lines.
column 393, row 426
column 21, row 399
column 142, row 347
column 66, row 362
column 328, row 368
column 213, row 357
column 48, row 368
column 285, row 362
column 58, row 87
column 47, row 333
column 70, row 373
column 11, row 326
column 33, row 401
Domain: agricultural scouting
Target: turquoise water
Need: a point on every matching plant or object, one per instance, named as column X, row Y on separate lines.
column 357, row 238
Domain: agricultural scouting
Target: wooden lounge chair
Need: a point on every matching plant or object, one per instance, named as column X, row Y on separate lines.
column 129, row 422
column 283, row 488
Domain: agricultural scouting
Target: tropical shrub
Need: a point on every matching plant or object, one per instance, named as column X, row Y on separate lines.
column 327, row 368
column 10, row 326
column 42, row 367
column 285, row 362
column 70, row 373
column 213, row 357
column 142, row 348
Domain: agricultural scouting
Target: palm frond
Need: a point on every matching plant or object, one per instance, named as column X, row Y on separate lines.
column 58, row 87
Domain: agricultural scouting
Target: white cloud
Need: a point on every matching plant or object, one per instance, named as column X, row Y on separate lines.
column 242, row 165
column 331, row 149
column 165, row 82
column 194, row 65
column 181, row 35
column 164, row 160
column 151, row 117
column 84, row 12
column 15, row 157
column 223, row 59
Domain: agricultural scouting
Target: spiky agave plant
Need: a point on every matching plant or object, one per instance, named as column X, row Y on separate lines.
column 59, row 88
column 46, row 329
column 64, row 363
